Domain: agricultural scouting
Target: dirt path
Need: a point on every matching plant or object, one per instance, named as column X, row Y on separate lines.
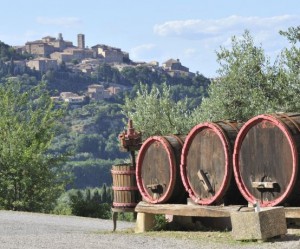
column 20, row 230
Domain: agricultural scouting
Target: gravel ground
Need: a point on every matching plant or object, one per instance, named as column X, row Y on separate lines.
column 20, row 230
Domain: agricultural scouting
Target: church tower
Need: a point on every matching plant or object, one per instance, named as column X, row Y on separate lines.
column 80, row 41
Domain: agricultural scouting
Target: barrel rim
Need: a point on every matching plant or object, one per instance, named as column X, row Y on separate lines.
column 124, row 204
column 123, row 172
column 122, row 164
column 228, row 168
column 172, row 162
column 237, row 146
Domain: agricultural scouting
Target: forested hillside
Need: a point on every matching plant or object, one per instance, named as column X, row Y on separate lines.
column 89, row 131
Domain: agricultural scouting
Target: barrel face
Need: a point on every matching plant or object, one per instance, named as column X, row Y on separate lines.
column 124, row 186
column 206, row 167
column 265, row 161
column 158, row 169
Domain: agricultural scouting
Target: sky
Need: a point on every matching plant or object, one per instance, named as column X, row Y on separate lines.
column 157, row 30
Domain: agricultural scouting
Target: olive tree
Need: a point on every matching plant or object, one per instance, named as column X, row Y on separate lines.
column 244, row 86
column 155, row 113
column 30, row 178
column 288, row 72
column 292, row 34
column 248, row 84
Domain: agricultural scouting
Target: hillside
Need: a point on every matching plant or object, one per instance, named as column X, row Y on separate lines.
column 90, row 129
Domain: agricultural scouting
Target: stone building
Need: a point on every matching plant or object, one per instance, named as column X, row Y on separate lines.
column 58, row 43
column 97, row 92
column 39, row 48
column 110, row 54
column 72, row 98
column 172, row 65
column 70, row 54
column 46, row 46
column 114, row 90
column 42, row 64
column 174, row 68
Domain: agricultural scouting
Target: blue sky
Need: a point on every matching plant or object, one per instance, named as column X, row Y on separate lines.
column 156, row 30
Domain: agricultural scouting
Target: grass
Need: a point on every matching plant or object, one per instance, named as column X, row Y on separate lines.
column 199, row 237
column 215, row 238
column 204, row 235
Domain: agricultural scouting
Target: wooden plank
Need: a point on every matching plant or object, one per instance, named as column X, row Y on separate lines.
column 185, row 210
column 203, row 211
column 292, row 212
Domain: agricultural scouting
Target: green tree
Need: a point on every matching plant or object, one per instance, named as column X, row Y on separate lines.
column 104, row 196
column 292, row 34
column 88, row 203
column 112, row 144
column 155, row 113
column 88, row 143
column 31, row 179
column 7, row 53
column 106, row 73
column 245, row 85
column 97, row 197
column 288, row 73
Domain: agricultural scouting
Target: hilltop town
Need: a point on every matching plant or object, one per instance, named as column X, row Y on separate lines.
column 50, row 52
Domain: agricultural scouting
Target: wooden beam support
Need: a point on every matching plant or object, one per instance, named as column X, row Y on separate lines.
column 202, row 211
column 292, row 212
column 186, row 210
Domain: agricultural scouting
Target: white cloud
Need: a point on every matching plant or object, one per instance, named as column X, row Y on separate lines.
column 197, row 40
column 202, row 29
column 66, row 22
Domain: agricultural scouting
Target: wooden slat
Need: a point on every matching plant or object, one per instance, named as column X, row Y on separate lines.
column 292, row 212
column 185, row 210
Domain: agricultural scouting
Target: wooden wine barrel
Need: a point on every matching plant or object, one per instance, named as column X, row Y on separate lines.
column 206, row 164
column 266, row 159
column 158, row 170
column 124, row 186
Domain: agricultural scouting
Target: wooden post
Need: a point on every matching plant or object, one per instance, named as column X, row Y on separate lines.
column 144, row 222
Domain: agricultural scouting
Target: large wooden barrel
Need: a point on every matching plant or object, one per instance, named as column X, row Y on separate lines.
column 266, row 159
column 206, row 164
column 158, row 170
column 125, row 190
